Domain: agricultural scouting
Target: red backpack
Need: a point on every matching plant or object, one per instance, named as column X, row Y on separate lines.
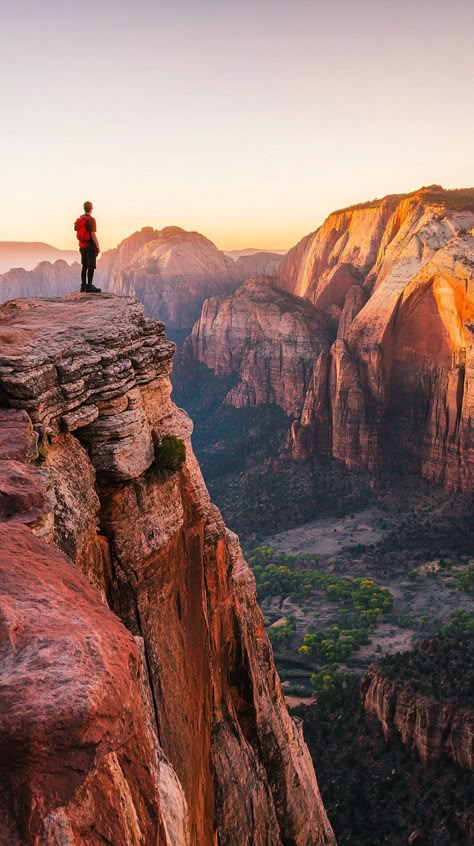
column 82, row 231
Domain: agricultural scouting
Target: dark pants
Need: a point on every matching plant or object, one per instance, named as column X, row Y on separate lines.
column 88, row 261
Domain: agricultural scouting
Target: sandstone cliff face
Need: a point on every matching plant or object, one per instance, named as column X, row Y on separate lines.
column 398, row 378
column 269, row 338
column 162, row 720
column 325, row 265
column 393, row 283
column 45, row 280
column 435, row 729
column 170, row 271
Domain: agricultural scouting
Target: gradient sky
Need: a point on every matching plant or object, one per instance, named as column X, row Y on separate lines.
column 248, row 121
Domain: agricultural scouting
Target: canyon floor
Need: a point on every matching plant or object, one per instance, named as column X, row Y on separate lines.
column 412, row 541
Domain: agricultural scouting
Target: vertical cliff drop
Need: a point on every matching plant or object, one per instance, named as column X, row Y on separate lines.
column 170, row 726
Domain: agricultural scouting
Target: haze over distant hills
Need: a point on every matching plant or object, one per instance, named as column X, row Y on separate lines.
column 27, row 254
column 171, row 271
column 251, row 251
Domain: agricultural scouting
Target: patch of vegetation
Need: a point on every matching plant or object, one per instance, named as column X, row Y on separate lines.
column 333, row 644
column 330, row 680
column 280, row 575
column 359, row 604
column 394, row 199
column 464, row 580
column 456, row 199
column 170, row 453
column 281, row 635
column 460, row 624
column 275, row 494
column 445, row 534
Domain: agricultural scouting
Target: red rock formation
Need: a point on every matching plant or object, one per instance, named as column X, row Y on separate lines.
column 433, row 728
column 269, row 338
column 171, row 271
column 311, row 433
column 72, row 724
column 395, row 279
column 169, row 727
column 325, row 265
column 413, row 345
column 400, row 378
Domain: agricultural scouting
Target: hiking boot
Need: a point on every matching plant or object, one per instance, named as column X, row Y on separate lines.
column 83, row 289
column 91, row 289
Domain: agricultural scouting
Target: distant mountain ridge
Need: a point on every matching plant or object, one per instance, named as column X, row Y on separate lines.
column 171, row 271
column 28, row 255
column 45, row 280
column 251, row 251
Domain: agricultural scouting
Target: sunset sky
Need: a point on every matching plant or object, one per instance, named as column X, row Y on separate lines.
column 248, row 121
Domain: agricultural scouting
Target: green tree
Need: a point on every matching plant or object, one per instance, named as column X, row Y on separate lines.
column 170, row 453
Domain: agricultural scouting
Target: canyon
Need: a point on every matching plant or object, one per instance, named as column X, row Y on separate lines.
column 270, row 338
column 141, row 700
column 392, row 378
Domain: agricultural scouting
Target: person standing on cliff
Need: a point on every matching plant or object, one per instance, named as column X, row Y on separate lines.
column 86, row 231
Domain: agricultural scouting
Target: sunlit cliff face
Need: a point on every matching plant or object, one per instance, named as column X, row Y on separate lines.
column 393, row 280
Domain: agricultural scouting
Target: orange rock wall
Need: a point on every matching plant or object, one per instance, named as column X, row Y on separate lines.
column 399, row 378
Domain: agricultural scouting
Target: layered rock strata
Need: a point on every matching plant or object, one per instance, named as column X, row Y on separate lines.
column 327, row 263
column 434, row 729
column 399, row 378
column 268, row 338
column 142, row 702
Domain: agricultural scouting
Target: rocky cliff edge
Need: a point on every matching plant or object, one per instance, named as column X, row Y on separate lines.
column 139, row 696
